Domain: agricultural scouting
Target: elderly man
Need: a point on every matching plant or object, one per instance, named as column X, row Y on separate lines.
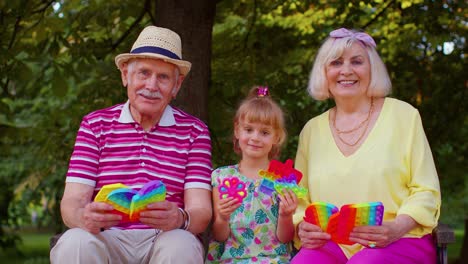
column 142, row 140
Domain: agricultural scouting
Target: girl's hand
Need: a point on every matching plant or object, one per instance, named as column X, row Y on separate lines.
column 384, row 235
column 226, row 207
column 312, row 236
column 288, row 203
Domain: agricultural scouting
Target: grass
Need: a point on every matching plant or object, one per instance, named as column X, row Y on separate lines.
column 35, row 248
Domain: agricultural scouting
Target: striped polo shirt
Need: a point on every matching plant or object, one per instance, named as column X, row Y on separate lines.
column 112, row 148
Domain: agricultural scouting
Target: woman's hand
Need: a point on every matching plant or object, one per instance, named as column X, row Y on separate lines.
column 312, row 236
column 384, row 235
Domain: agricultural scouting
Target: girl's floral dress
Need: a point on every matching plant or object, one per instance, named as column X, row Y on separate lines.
column 253, row 226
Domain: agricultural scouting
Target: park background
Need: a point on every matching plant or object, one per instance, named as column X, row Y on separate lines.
column 57, row 64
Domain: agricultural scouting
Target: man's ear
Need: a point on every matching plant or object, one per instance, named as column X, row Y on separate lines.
column 124, row 74
column 176, row 88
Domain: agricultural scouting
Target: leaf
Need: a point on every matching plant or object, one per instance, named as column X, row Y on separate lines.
column 275, row 210
column 281, row 250
column 248, row 234
column 237, row 252
column 260, row 216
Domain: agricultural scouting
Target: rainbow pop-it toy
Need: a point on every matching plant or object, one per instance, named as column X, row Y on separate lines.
column 340, row 223
column 129, row 202
column 280, row 176
column 319, row 213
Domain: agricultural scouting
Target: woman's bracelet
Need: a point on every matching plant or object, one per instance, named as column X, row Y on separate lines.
column 186, row 218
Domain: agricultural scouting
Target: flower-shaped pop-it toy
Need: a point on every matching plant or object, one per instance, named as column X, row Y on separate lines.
column 232, row 187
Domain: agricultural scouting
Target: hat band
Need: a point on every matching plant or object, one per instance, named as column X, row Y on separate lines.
column 157, row 50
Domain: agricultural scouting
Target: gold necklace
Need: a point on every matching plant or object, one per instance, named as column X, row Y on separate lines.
column 358, row 126
column 366, row 122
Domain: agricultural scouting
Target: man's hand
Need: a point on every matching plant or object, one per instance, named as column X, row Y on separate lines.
column 79, row 211
column 162, row 215
column 98, row 215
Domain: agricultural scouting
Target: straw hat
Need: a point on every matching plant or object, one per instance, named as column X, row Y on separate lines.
column 157, row 43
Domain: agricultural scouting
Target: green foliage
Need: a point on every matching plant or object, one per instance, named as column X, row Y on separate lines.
column 56, row 64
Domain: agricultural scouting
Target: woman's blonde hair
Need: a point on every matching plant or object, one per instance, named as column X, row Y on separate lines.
column 259, row 107
column 332, row 49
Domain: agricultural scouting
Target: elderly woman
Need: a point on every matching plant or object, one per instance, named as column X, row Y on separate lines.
column 367, row 148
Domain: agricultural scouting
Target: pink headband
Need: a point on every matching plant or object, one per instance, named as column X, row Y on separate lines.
column 363, row 37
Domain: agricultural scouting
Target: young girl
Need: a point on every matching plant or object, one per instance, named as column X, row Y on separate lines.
column 256, row 229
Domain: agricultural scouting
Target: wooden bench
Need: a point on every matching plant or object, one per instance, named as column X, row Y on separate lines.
column 443, row 235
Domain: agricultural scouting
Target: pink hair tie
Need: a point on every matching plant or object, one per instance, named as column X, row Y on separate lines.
column 262, row 91
column 362, row 36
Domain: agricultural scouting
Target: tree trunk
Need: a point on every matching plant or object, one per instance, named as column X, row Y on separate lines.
column 193, row 21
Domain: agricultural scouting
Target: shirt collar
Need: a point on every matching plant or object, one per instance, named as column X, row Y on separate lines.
column 167, row 118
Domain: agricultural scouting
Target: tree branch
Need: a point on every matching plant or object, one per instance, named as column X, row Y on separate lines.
column 254, row 19
column 379, row 14
column 130, row 29
column 149, row 9
column 15, row 32
column 41, row 10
